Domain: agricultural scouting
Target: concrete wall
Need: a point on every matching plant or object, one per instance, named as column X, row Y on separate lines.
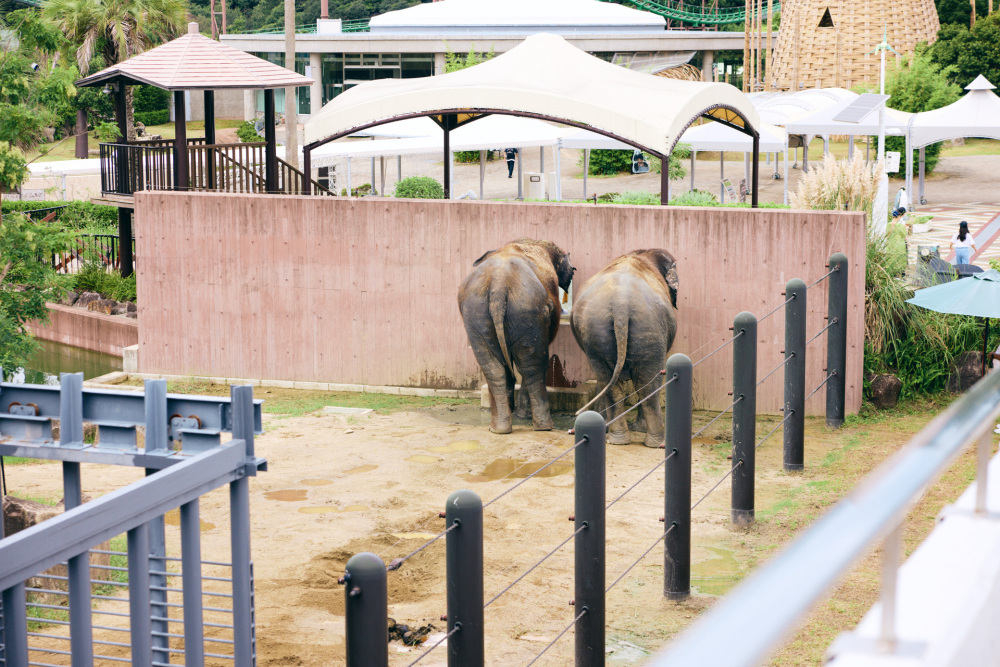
column 109, row 334
column 364, row 291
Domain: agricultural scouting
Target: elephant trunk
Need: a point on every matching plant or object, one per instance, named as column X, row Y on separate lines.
column 619, row 316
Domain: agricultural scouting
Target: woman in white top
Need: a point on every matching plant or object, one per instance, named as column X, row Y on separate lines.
column 963, row 244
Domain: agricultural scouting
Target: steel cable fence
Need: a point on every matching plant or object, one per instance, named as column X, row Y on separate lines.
column 558, row 637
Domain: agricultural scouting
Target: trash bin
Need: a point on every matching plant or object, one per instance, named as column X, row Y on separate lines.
column 533, row 185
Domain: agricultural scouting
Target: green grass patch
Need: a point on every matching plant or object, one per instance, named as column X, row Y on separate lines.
column 298, row 402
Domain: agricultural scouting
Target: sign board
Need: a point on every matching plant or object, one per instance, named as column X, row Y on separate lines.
column 730, row 190
column 33, row 195
column 891, row 162
column 640, row 165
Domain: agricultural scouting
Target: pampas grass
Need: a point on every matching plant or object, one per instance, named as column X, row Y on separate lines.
column 839, row 185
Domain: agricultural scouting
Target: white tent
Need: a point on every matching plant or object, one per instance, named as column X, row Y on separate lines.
column 716, row 137
column 977, row 114
column 543, row 77
column 822, row 122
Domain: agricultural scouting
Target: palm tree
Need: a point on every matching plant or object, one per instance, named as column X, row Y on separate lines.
column 115, row 30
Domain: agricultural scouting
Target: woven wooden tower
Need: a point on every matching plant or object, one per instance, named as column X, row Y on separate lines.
column 825, row 43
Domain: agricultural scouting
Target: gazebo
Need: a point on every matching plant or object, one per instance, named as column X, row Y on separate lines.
column 189, row 63
column 544, row 77
column 977, row 114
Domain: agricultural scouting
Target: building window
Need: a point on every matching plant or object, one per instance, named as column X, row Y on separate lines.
column 333, row 75
column 302, row 94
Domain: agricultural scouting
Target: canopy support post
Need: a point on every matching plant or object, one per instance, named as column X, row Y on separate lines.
column 210, row 137
column 446, row 122
column 756, row 170
column 805, row 154
column 482, row 172
column 908, row 177
column 850, row 147
column 986, row 342
column 520, row 181
column 921, row 193
column 694, row 153
column 665, row 180
column 785, row 199
column 307, row 169
column 558, row 150
column 586, row 168
column 722, row 177
column 372, row 191
column 270, row 154
column 381, row 167
column 180, row 141
column 350, row 192
column 541, row 159
column 399, row 168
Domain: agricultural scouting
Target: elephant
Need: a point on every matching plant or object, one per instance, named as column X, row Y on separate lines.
column 510, row 307
column 625, row 320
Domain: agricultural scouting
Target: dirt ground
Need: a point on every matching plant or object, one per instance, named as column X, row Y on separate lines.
column 340, row 485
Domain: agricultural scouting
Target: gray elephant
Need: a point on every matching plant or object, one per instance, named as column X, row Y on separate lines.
column 625, row 320
column 510, row 307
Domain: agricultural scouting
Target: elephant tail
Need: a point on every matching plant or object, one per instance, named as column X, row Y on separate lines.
column 498, row 311
column 619, row 315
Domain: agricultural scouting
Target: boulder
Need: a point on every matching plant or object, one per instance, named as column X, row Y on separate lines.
column 21, row 513
column 119, row 309
column 130, row 307
column 86, row 298
column 885, row 391
column 132, row 314
column 105, row 306
column 70, row 298
column 966, row 370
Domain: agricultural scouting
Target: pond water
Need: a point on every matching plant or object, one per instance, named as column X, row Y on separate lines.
column 51, row 359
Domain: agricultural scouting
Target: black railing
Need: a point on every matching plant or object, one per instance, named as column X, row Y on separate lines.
column 129, row 168
column 101, row 249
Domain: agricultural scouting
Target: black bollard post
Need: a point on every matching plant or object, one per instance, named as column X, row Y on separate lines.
column 836, row 341
column 795, row 374
column 677, row 479
column 589, row 571
column 465, row 579
column 366, row 612
column 744, row 417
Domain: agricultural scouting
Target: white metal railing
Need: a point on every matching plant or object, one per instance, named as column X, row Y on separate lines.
column 757, row 615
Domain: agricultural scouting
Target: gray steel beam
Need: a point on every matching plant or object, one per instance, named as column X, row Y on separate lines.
column 125, row 406
column 194, row 639
column 95, row 454
column 239, row 516
column 15, row 626
column 140, row 624
column 59, row 538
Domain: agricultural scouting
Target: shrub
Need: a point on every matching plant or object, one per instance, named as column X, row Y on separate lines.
column 471, row 157
column 95, row 278
column 695, row 198
column 77, row 215
column 148, row 99
column 149, row 118
column 609, row 162
column 247, row 132
column 419, row 187
column 360, row 191
column 637, row 198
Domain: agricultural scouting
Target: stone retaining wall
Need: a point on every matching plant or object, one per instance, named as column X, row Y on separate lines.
column 109, row 334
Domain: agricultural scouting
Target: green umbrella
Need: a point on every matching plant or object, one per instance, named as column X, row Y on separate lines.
column 977, row 296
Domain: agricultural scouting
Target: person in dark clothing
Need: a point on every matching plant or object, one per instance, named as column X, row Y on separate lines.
column 511, row 155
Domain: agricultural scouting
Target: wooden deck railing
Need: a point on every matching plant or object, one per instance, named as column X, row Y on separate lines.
column 149, row 165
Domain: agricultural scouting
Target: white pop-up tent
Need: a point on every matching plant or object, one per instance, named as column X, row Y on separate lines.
column 543, row 77
column 715, row 137
column 489, row 133
column 976, row 114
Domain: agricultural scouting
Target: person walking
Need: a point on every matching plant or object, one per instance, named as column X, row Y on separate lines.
column 963, row 243
column 511, row 155
column 902, row 203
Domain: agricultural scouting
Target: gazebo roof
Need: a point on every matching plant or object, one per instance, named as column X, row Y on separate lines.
column 546, row 77
column 195, row 62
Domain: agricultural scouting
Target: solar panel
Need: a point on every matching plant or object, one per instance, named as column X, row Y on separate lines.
column 858, row 110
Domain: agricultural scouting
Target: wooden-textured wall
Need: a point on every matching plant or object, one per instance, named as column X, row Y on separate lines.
column 364, row 290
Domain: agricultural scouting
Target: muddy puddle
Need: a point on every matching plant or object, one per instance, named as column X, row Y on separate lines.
column 716, row 574
column 457, row 446
column 473, row 415
column 173, row 518
column 316, row 482
column 422, row 458
column 360, row 469
column 329, row 509
column 288, row 495
column 517, row 469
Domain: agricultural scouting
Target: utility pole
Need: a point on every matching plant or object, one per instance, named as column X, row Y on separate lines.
column 216, row 30
column 291, row 116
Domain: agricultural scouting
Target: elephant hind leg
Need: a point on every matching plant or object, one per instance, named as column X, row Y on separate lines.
column 652, row 413
column 618, row 433
column 501, row 384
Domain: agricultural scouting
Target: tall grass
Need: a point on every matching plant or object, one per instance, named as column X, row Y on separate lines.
column 839, row 185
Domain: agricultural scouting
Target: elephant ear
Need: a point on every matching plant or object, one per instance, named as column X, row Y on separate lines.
column 667, row 266
column 485, row 255
column 565, row 271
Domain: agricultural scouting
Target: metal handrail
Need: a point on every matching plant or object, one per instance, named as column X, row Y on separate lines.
column 760, row 612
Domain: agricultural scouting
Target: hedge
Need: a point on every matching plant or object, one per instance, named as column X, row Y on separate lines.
column 77, row 215
column 148, row 118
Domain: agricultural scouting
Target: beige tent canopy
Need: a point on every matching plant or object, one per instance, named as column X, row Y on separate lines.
column 543, row 77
